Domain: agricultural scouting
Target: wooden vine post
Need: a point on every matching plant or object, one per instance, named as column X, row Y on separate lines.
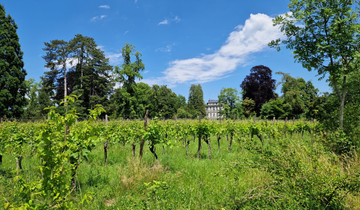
column 199, row 147
column 176, row 126
column 106, row 143
column 293, row 126
column 165, row 139
column 268, row 139
column 142, row 139
column 231, row 135
column 284, row 131
column 273, row 120
column 252, row 131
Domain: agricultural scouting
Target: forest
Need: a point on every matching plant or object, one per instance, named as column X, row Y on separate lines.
column 90, row 135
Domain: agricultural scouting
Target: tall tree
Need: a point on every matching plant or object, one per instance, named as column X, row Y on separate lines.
column 81, row 67
column 259, row 86
column 92, row 72
column 325, row 37
column 56, row 58
column 229, row 96
column 196, row 102
column 32, row 109
column 12, row 72
column 167, row 101
column 128, row 72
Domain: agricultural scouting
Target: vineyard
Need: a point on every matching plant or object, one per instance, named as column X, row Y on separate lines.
column 171, row 164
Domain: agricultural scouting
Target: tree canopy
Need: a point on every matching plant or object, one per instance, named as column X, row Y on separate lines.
column 259, row 86
column 325, row 37
column 12, row 72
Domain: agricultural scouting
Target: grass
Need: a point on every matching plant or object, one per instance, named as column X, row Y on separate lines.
column 242, row 178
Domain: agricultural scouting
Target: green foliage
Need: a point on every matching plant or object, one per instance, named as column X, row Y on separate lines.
column 130, row 96
column 249, row 106
column 196, row 103
column 231, row 98
column 324, row 37
column 285, row 173
column 12, row 81
column 89, row 74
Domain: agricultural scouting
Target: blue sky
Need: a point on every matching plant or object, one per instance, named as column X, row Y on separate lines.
column 211, row 42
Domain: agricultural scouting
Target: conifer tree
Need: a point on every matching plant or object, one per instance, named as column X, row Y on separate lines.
column 12, row 72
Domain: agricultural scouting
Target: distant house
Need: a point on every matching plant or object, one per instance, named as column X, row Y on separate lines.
column 212, row 110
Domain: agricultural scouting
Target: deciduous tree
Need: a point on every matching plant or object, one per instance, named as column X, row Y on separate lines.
column 324, row 35
column 259, row 86
column 230, row 97
column 196, row 103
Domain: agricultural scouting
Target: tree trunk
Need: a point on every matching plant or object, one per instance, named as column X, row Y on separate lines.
column 261, row 139
column 133, row 149
column 1, row 159
column 231, row 139
column 105, row 151
column 218, row 140
column 284, row 130
column 18, row 165
column 187, row 145
column 199, row 147
column 293, row 126
column 342, row 105
column 74, row 171
column 20, row 162
column 142, row 139
column 152, row 150
column 209, row 145
column 342, row 99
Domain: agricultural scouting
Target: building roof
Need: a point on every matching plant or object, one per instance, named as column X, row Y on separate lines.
column 212, row 101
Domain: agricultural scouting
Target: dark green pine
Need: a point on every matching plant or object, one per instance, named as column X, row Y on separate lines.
column 12, row 72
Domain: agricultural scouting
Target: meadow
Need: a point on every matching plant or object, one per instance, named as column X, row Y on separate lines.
column 293, row 171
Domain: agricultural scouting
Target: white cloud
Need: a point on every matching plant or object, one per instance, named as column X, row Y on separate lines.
column 126, row 32
column 167, row 21
column 94, row 18
column 100, row 47
column 164, row 22
column 176, row 19
column 114, row 58
column 164, row 49
column 245, row 40
column 104, row 6
column 136, row 1
column 70, row 62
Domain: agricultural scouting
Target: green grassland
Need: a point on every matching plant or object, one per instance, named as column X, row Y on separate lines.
column 296, row 172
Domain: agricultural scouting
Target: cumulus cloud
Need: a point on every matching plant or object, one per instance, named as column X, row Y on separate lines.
column 164, row 22
column 102, row 16
column 252, row 37
column 104, row 6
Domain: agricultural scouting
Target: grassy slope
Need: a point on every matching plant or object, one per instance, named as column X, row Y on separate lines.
column 186, row 182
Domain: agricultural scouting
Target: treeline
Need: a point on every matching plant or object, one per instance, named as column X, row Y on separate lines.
column 79, row 67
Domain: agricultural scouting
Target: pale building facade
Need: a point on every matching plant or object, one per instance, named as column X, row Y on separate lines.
column 212, row 110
